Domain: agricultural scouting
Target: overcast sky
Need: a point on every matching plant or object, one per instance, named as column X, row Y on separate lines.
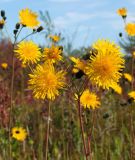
column 92, row 19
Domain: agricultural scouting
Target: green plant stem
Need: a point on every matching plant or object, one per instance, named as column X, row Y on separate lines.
column 47, row 131
column 82, row 128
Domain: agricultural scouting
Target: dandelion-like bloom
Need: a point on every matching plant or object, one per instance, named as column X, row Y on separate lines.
column 78, row 64
column 128, row 77
column 132, row 94
column 89, row 100
column 52, row 54
column 103, row 68
column 130, row 29
column 28, row 52
column 28, row 18
column 4, row 65
column 122, row 12
column 117, row 88
column 133, row 54
column 54, row 38
column 19, row 133
column 46, row 82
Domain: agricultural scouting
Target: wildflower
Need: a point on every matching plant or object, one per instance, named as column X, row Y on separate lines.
column 130, row 29
column 4, row 65
column 19, row 133
column 133, row 54
column 52, row 54
column 128, row 77
column 89, row 100
column 46, row 82
column 78, row 64
column 103, row 68
column 2, row 22
column 122, row 12
column 28, row 52
column 28, row 18
column 132, row 95
column 117, row 88
column 54, row 38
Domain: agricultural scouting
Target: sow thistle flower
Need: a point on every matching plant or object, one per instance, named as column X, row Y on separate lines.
column 117, row 88
column 128, row 77
column 104, row 67
column 52, row 54
column 54, row 38
column 132, row 95
column 130, row 29
column 78, row 64
column 89, row 100
column 4, row 65
column 45, row 82
column 122, row 12
column 28, row 18
column 19, row 133
column 28, row 52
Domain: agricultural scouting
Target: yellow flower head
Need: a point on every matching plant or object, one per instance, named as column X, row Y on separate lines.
column 46, row 82
column 52, row 54
column 54, row 38
column 103, row 68
column 89, row 100
column 132, row 94
column 4, row 65
column 19, row 133
column 28, row 18
column 2, row 22
column 127, row 76
column 133, row 54
column 122, row 12
column 117, row 88
column 78, row 64
column 28, row 52
column 130, row 29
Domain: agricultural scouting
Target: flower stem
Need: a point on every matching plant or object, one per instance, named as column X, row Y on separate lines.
column 82, row 128
column 47, row 131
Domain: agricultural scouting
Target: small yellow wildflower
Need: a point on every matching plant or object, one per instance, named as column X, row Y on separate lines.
column 54, row 38
column 130, row 29
column 117, row 88
column 89, row 100
column 128, row 77
column 4, row 65
column 28, row 18
column 28, row 52
column 79, row 64
column 52, row 54
column 132, row 94
column 46, row 82
column 122, row 12
column 19, row 133
column 133, row 54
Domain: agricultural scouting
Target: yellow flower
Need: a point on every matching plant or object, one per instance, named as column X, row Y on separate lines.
column 128, row 77
column 52, row 54
column 2, row 22
column 28, row 52
column 19, row 133
column 89, row 100
column 79, row 64
column 133, row 54
column 28, row 18
column 4, row 65
column 130, row 29
column 46, row 82
column 122, row 12
column 103, row 68
column 54, row 38
column 132, row 94
column 117, row 88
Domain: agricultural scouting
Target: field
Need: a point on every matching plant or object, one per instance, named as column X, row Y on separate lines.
column 58, row 103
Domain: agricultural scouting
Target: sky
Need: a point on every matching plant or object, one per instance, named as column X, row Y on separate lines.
column 81, row 21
